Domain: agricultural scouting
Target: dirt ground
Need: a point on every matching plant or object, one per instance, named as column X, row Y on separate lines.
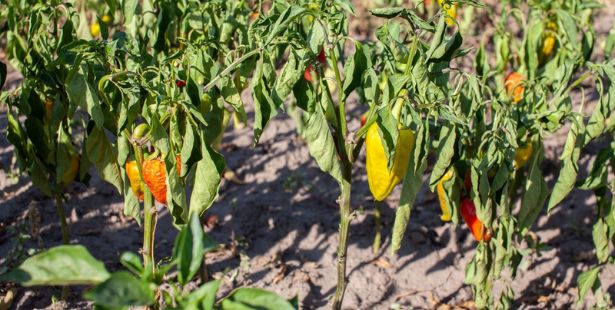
column 279, row 231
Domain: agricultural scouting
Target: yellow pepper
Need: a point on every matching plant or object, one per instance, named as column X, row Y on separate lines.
column 548, row 41
column 71, row 172
column 522, row 155
column 381, row 180
column 446, row 208
column 106, row 19
column 95, row 29
column 135, row 179
column 450, row 11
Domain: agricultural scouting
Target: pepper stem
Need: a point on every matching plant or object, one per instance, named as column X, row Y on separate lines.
column 65, row 235
column 378, row 224
column 149, row 216
column 344, row 203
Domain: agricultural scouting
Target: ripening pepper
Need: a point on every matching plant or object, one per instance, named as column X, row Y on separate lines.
column 106, row 19
column 450, row 11
column 446, row 208
column 71, row 172
column 155, row 177
column 468, row 212
column 48, row 108
column 135, row 180
column 95, row 29
column 307, row 74
column 381, row 180
column 522, row 155
column 549, row 39
column 513, row 86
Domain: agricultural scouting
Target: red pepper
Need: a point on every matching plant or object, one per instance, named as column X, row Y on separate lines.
column 307, row 74
column 363, row 120
column 467, row 180
column 468, row 212
column 321, row 56
column 180, row 83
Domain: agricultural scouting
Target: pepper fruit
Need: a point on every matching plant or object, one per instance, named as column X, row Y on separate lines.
column 313, row 7
column 307, row 74
column 71, row 172
column 522, row 155
column 513, row 86
column 548, row 41
column 135, row 179
column 140, row 131
column 467, row 181
column 468, row 212
column 381, row 180
column 106, row 19
column 363, row 120
column 95, row 29
column 180, row 83
column 155, row 177
column 450, row 11
column 48, row 108
column 446, row 208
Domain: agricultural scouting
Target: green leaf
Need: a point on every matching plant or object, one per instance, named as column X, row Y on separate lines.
column 264, row 107
column 207, row 177
column 609, row 45
column 188, row 250
column 289, row 76
column 606, row 104
column 570, row 166
column 81, row 93
column 355, row 67
column 160, row 138
column 321, row 145
column 346, row 5
column 122, row 289
column 132, row 262
column 445, row 151
column 586, row 281
column 600, row 235
column 389, row 133
column 535, row 195
column 254, row 298
column 570, row 27
column 102, row 154
column 176, row 190
column 202, row 298
column 599, row 173
column 188, row 146
column 61, row 265
column 290, row 14
column 410, row 187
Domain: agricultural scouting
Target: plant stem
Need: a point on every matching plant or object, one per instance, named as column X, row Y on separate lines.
column 149, row 225
column 344, row 203
column 230, row 68
column 65, row 236
column 149, row 216
column 62, row 216
column 203, row 270
column 377, row 237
